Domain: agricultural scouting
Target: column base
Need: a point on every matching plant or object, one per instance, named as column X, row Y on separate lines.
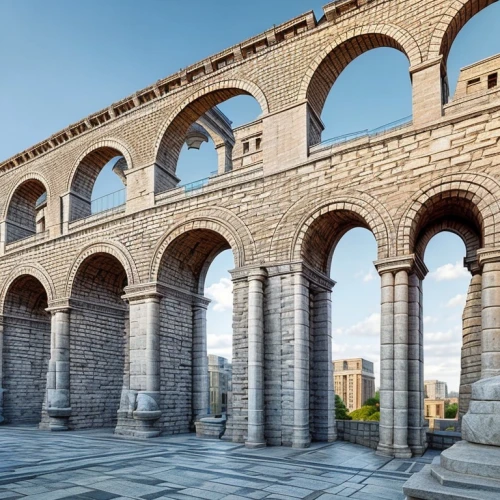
column 253, row 446
column 385, row 450
column 129, row 426
column 58, row 419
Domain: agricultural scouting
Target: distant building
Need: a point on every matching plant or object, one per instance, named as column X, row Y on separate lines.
column 354, row 381
column 435, row 389
column 481, row 76
column 220, row 373
column 434, row 409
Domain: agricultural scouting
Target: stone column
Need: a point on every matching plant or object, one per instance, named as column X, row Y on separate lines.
column 301, row 434
column 1, row 370
column 471, row 339
column 201, row 383
column 144, row 357
column 394, row 353
column 386, row 426
column 256, row 437
column 481, row 424
column 416, row 432
column 58, row 374
column 322, row 367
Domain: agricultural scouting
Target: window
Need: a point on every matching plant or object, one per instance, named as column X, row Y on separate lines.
column 492, row 80
column 258, row 143
column 246, row 147
column 472, row 85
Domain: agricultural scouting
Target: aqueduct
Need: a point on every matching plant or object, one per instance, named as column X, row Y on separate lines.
column 103, row 315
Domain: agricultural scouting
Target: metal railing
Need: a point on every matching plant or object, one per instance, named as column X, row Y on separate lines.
column 108, row 202
column 341, row 139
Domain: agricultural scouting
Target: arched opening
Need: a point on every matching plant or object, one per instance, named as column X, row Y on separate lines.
column 27, row 211
column 184, row 366
column 219, row 289
column 331, row 240
column 226, row 137
column 99, row 183
column 26, row 350
column 449, row 312
column 99, row 327
column 356, row 323
column 470, row 69
column 452, row 341
column 361, row 87
column 215, row 118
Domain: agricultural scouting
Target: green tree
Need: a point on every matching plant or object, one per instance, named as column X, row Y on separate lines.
column 451, row 410
column 363, row 413
column 341, row 411
column 375, row 401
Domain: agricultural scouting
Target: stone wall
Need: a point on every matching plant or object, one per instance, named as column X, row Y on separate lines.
column 363, row 433
column 441, row 440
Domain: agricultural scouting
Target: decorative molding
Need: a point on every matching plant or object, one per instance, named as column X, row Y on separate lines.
column 410, row 263
column 488, row 255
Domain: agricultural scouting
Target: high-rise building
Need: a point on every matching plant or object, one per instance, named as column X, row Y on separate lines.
column 354, row 381
column 435, row 389
column 220, row 374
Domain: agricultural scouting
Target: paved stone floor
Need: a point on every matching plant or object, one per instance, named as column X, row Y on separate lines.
column 96, row 465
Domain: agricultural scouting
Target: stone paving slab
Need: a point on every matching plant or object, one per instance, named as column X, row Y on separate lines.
column 96, row 465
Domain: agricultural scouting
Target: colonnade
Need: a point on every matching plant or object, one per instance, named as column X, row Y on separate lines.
column 305, row 294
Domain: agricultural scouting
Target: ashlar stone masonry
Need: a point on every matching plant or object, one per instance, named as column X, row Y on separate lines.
column 103, row 315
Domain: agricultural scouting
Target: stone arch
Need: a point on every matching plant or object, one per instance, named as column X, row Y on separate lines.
column 364, row 210
column 452, row 21
column 471, row 239
column 333, row 59
column 221, row 221
column 114, row 249
column 472, row 198
column 87, row 168
column 173, row 131
column 35, row 270
column 18, row 183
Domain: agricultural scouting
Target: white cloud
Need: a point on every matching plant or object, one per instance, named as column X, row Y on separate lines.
column 222, row 294
column 369, row 276
column 369, row 326
column 438, row 337
column 429, row 320
column 458, row 300
column 449, row 272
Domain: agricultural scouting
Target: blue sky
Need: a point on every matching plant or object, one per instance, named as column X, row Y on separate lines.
column 61, row 61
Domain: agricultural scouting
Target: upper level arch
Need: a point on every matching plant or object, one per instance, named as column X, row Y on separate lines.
column 452, row 21
column 24, row 211
column 88, row 167
column 469, row 200
column 172, row 133
column 332, row 60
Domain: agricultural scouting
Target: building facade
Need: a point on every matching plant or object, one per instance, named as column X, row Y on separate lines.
column 435, row 389
column 220, row 374
column 103, row 315
column 354, row 381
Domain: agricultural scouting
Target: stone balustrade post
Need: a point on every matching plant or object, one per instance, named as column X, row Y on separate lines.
column 201, row 383
column 58, row 374
column 301, row 433
column 256, row 424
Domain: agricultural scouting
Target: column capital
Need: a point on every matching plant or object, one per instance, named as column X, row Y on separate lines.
column 472, row 264
column 59, row 305
column 426, row 64
column 487, row 256
column 142, row 291
column 257, row 274
column 318, row 280
column 409, row 263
